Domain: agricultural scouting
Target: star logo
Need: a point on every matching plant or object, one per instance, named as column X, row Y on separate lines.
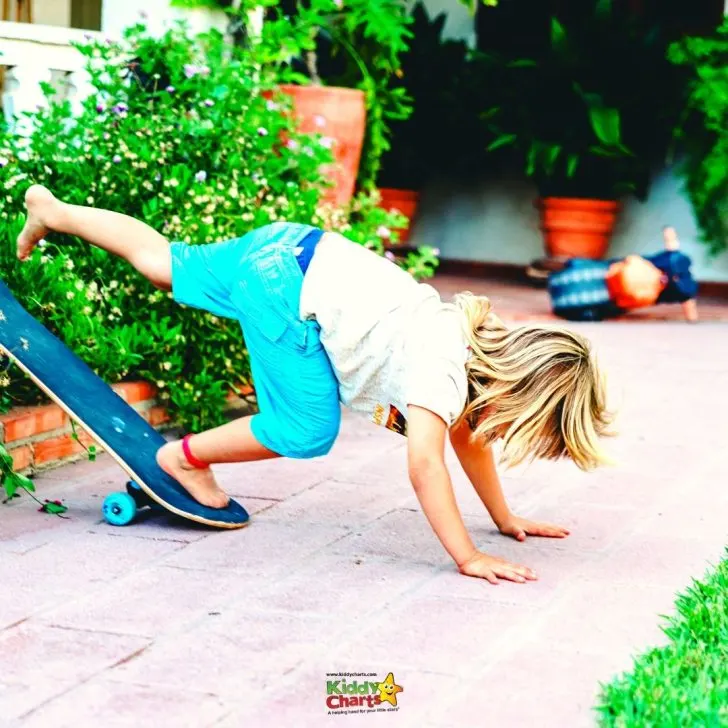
column 388, row 690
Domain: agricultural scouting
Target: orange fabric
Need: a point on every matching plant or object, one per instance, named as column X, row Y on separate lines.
column 635, row 282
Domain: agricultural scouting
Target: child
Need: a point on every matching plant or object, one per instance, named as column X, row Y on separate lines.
column 328, row 321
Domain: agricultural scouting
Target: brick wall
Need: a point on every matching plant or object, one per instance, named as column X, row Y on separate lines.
column 40, row 438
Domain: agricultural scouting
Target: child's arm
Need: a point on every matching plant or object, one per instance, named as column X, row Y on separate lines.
column 479, row 465
column 426, row 434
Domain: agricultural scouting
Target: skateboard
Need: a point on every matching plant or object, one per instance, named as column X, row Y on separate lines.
column 110, row 421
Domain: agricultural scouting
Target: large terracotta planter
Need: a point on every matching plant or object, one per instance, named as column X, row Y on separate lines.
column 577, row 228
column 404, row 202
column 339, row 114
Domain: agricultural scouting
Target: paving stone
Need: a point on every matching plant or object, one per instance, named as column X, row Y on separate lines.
column 150, row 602
column 101, row 702
column 35, row 651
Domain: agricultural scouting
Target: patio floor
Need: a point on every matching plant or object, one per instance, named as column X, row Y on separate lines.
column 166, row 623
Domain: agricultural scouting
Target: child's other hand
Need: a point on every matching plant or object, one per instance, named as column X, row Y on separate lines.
column 519, row 528
column 492, row 568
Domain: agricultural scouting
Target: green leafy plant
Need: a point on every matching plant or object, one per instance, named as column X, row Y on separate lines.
column 437, row 138
column 594, row 114
column 14, row 483
column 189, row 135
column 703, row 134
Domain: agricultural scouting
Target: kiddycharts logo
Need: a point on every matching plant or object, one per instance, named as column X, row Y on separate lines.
column 349, row 692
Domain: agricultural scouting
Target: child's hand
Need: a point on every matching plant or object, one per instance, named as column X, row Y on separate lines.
column 492, row 568
column 519, row 528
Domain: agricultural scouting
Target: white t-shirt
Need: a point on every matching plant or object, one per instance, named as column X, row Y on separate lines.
column 392, row 341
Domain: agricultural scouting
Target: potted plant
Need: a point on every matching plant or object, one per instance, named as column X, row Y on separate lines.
column 336, row 60
column 589, row 120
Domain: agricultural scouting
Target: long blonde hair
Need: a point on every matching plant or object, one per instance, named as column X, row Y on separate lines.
column 538, row 387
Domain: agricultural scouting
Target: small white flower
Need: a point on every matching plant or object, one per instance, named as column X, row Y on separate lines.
column 161, row 384
column 87, row 310
column 167, row 365
column 79, row 285
column 69, row 264
column 383, row 232
column 70, row 295
column 113, row 284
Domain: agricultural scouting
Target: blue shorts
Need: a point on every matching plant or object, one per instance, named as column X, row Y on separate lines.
column 257, row 280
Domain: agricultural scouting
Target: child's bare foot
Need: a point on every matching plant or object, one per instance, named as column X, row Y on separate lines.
column 200, row 484
column 39, row 201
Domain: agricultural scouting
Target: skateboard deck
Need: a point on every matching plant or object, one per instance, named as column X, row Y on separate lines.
column 113, row 423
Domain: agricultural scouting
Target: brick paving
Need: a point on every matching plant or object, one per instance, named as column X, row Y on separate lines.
column 165, row 623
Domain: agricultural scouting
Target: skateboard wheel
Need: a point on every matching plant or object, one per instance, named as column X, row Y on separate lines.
column 119, row 509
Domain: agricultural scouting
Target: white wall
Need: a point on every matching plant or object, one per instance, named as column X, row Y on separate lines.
column 499, row 223
column 119, row 14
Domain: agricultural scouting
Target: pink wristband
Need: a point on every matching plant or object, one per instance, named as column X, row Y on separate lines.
column 191, row 459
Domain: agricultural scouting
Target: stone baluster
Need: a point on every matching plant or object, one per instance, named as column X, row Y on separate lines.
column 79, row 89
column 22, row 91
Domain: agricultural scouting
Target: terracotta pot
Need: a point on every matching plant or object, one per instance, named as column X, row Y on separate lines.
column 405, row 202
column 340, row 114
column 577, row 228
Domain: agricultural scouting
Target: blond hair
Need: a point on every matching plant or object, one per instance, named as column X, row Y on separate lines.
column 537, row 387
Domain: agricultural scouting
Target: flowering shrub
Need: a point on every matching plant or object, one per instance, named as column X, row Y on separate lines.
column 187, row 135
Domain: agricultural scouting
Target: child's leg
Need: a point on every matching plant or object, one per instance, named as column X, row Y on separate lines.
column 230, row 443
column 136, row 242
column 148, row 252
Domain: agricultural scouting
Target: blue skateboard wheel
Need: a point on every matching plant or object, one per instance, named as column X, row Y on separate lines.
column 119, row 509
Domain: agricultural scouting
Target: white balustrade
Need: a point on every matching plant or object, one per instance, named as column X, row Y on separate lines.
column 36, row 54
